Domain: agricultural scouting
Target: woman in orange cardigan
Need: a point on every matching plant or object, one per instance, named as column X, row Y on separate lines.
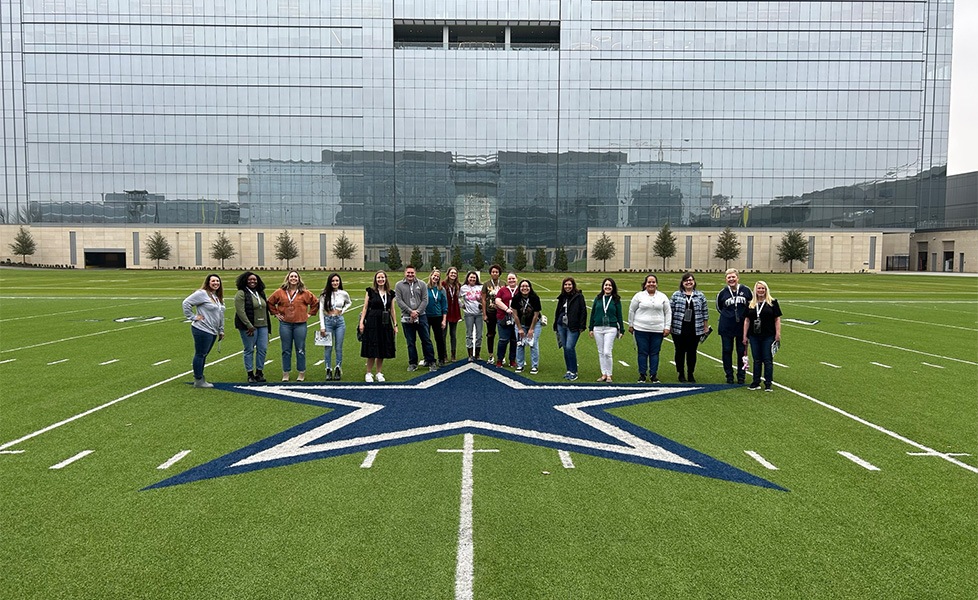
column 293, row 304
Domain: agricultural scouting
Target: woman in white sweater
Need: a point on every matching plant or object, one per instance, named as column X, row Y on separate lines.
column 649, row 318
column 206, row 324
column 333, row 302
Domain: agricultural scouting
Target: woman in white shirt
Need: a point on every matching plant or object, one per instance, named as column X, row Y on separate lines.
column 649, row 318
column 333, row 302
column 473, row 307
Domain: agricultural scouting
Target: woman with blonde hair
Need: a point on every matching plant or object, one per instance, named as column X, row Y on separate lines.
column 293, row 304
column 437, row 312
column 762, row 328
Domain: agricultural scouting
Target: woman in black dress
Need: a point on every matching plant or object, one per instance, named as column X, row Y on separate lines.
column 378, row 326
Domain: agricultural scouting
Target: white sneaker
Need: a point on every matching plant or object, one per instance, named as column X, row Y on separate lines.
column 369, row 378
column 380, row 377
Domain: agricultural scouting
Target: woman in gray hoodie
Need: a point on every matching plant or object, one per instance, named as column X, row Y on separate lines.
column 207, row 324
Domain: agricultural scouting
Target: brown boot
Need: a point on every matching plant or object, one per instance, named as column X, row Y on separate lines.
column 469, row 350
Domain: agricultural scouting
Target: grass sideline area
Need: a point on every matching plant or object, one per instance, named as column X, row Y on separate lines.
column 889, row 375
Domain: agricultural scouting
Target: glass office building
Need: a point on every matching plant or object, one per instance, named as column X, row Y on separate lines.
column 497, row 122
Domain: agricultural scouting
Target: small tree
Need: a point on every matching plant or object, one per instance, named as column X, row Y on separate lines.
column 477, row 259
column 24, row 245
column 344, row 249
column 394, row 262
column 436, row 258
column 457, row 257
column 560, row 260
column 286, row 249
column 520, row 259
column 157, row 248
column 793, row 247
column 499, row 258
column 603, row 249
column 222, row 249
column 728, row 247
column 416, row 258
column 540, row 260
column 665, row 244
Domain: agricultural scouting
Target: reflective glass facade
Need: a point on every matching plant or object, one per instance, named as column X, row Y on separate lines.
column 498, row 122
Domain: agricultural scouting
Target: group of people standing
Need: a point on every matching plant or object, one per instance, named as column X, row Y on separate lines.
column 511, row 311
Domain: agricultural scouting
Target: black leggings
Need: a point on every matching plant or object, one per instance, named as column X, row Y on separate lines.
column 686, row 345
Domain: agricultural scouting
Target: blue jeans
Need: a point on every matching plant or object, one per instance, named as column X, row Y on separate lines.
column 568, row 340
column 337, row 327
column 293, row 333
column 507, row 337
column 760, row 349
column 534, row 349
column 257, row 341
column 727, row 344
column 648, row 343
column 203, row 342
column 412, row 331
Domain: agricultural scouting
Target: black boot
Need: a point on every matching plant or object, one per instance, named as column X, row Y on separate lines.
column 469, row 350
column 251, row 377
column 259, row 376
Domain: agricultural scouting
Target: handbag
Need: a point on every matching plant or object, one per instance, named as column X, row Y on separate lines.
column 323, row 339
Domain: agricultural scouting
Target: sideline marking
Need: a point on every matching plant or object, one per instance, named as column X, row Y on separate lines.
column 780, row 365
column 68, row 461
column 11, row 451
column 930, row 365
column 464, row 569
column 162, row 362
column 3, row 362
column 67, row 312
column 831, row 365
column 173, row 460
column 108, row 362
column 880, row 365
column 58, row 362
column 859, row 420
column 862, row 463
column 929, row 324
column 623, row 363
column 108, row 404
column 78, row 337
column 760, row 459
column 369, row 460
column 854, row 339
column 565, row 459
column 321, row 361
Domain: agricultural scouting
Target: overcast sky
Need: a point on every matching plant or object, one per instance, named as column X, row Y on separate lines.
column 963, row 147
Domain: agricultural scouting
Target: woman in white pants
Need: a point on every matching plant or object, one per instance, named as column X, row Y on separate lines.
column 473, row 305
column 606, row 325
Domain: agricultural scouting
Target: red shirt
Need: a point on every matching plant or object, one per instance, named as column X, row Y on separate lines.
column 506, row 295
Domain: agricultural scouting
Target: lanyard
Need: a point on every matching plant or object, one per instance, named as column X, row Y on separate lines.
column 606, row 302
column 292, row 295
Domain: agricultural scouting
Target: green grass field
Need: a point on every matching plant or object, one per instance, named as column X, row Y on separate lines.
column 889, row 374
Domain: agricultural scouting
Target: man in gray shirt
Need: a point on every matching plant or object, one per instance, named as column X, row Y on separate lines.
column 412, row 298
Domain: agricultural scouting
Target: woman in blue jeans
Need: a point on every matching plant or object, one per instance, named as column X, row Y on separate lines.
column 205, row 310
column 252, row 320
column 569, row 321
column 762, row 327
column 293, row 304
column 333, row 302
column 649, row 318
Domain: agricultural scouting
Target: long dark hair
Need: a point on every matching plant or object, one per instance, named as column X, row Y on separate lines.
column 220, row 290
column 477, row 282
column 614, row 289
column 242, row 281
column 387, row 281
column 327, row 294
column 574, row 290
column 519, row 292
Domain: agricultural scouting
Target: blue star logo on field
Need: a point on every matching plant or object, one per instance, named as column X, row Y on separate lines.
column 467, row 399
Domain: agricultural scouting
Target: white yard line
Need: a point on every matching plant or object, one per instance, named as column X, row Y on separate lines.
column 831, row 365
column 108, row 362
column 78, row 337
column 68, row 461
column 369, row 460
column 565, row 459
column 862, row 421
column 11, row 451
column 67, row 312
column 760, row 459
column 173, row 460
column 108, row 404
column 929, row 324
column 464, row 566
column 162, row 362
column 58, row 362
column 846, row 337
column 880, row 365
column 930, row 365
column 623, row 363
column 780, row 365
column 862, row 463
column 3, row 362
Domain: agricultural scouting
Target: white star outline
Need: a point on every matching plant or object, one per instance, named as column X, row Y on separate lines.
column 303, row 444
